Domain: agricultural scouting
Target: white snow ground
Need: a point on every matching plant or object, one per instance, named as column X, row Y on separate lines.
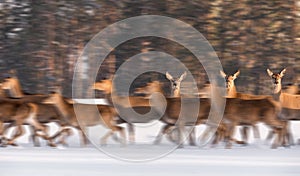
column 255, row 159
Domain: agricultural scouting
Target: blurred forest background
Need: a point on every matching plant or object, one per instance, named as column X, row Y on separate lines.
column 42, row 39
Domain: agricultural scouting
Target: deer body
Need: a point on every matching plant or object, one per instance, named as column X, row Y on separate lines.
column 246, row 109
column 87, row 116
column 19, row 114
column 231, row 92
column 239, row 111
column 290, row 103
column 124, row 104
column 45, row 113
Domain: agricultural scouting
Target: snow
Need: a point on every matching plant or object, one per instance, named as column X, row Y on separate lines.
column 188, row 161
column 144, row 158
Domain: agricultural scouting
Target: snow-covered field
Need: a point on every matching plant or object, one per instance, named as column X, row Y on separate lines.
column 255, row 159
column 29, row 161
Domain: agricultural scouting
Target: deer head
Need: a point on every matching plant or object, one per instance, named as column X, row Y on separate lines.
column 229, row 79
column 13, row 85
column 175, row 83
column 276, row 78
column 104, row 85
column 150, row 88
column 55, row 97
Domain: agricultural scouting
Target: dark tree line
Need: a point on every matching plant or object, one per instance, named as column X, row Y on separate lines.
column 42, row 40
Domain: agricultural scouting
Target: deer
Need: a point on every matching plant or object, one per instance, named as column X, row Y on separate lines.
column 171, row 116
column 176, row 93
column 251, row 111
column 124, row 104
column 231, row 92
column 173, row 107
column 14, row 111
column 87, row 115
column 45, row 113
column 290, row 103
column 239, row 111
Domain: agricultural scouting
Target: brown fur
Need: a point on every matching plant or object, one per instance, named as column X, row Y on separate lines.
column 290, row 104
column 19, row 113
column 86, row 115
column 45, row 113
column 123, row 105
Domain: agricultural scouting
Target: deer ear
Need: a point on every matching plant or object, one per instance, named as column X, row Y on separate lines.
column 183, row 76
column 282, row 72
column 223, row 74
column 270, row 73
column 169, row 77
column 236, row 74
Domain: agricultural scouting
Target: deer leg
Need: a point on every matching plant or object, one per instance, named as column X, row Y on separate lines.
column 289, row 135
column 82, row 133
column 110, row 123
column 33, row 137
column 63, row 132
column 286, row 135
column 66, row 132
column 229, row 135
column 203, row 139
column 104, row 139
column 181, row 129
column 131, row 133
column 245, row 134
column 1, row 132
column 172, row 134
column 161, row 133
column 20, row 132
column 256, row 133
column 218, row 136
column 192, row 137
column 41, row 131
column 270, row 135
column 278, row 128
column 6, row 127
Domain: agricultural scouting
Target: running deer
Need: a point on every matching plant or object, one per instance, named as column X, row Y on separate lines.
column 87, row 115
column 171, row 115
column 231, row 92
column 290, row 103
column 176, row 93
column 45, row 113
column 124, row 105
column 19, row 113
column 251, row 111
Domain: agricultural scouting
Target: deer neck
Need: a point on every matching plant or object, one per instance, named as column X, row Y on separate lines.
column 176, row 93
column 277, row 92
column 15, row 90
column 231, row 92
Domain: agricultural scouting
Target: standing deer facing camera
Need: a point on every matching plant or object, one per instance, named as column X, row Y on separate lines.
column 231, row 92
column 175, row 93
column 175, row 83
column 290, row 104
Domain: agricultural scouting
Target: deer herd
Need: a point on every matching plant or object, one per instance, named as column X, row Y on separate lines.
column 244, row 110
